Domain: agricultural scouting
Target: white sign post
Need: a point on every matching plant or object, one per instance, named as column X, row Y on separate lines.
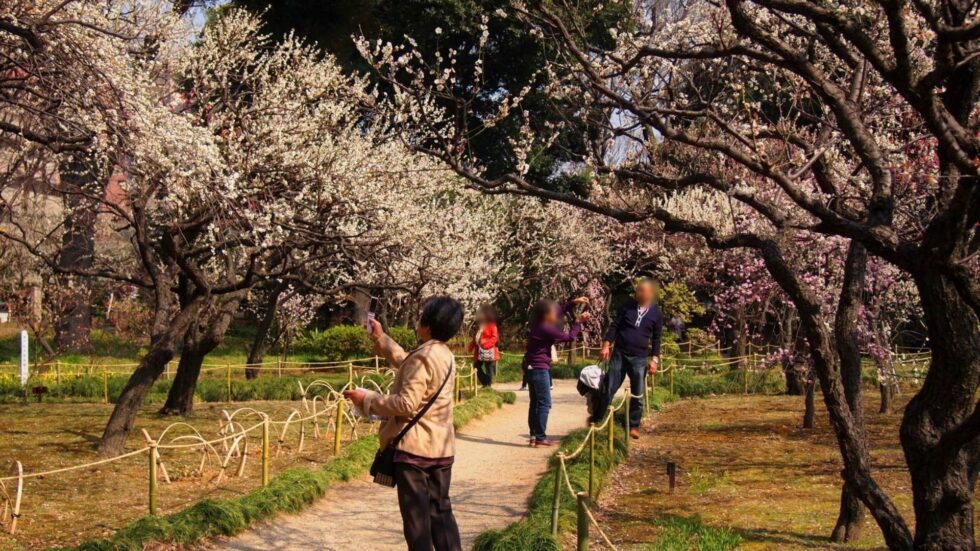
column 24, row 355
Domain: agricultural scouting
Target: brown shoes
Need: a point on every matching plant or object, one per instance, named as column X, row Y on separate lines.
column 543, row 443
column 635, row 434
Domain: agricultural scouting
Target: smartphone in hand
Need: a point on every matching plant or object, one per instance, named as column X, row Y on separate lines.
column 372, row 308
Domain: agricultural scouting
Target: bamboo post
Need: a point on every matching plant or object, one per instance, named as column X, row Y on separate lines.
column 15, row 514
column 376, row 363
column 350, row 373
column 456, row 388
column 673, row 368
column 228, row 377
column 105, row 386
column 612, row 429
column 591, row 459
column 153, row 477
column 626, row 417
column 339, row 426
column 57, row 373
column 746, row 381
column 279, row 367
column 556, row 503
column 582, row 531
column 265, row 451
column 646, row 396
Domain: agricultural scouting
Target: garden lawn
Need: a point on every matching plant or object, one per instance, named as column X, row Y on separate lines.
column 747, row 475
column 67, row 508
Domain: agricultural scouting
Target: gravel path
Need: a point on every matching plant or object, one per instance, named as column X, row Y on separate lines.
column 493, row 476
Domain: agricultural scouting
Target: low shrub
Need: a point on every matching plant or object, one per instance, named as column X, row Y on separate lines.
column 343, row 342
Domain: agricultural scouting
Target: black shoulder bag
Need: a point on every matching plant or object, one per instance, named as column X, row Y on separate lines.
column 383, row 468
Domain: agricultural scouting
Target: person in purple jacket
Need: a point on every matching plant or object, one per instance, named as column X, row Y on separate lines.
column 635, row 335
column 545, row 332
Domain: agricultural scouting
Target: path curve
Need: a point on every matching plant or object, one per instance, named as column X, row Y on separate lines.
column 493, row 476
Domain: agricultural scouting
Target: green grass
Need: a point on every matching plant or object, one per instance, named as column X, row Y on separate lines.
column 534, row 532
column 288, row 492
column 677, row 533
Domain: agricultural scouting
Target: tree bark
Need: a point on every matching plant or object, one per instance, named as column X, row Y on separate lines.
column 941, row 424
column 887, row 391
column 199, row 341
column 260, row 343
column 851, row 441
column 74, row 324
column 168, row 327
column 809, row 408
column 850, row 519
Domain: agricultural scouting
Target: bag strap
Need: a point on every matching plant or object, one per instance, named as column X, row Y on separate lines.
column 418, row 416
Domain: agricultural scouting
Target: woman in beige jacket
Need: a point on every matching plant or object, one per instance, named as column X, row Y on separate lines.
column 424, row 457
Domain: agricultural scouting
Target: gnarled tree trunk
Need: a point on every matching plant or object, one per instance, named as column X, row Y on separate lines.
column 74, row 326
column 168, row 327
column 941, row 424
column 199, row 341
column 851, row 440
column 850, row 518
column 267, row 317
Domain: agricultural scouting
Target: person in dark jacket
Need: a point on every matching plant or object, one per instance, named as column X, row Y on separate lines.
column 544, row 334
column 634, row 335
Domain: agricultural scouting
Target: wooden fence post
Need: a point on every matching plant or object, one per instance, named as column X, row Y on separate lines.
column 556, row 503
column 265, row 451
column 671, row 475
column 626, row 417
column 15, row 514
column 672, row 370
column 153, row 477
column 105, row 385
column 350, row 373
column 591, row 459
column 229, row 382
column 612, row 428
column 582, row 531
column 339, row 426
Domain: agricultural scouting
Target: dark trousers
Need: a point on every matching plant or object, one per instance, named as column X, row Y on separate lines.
column 539, row 394
column 485, row 372
column 622, row 366
column 427, row 514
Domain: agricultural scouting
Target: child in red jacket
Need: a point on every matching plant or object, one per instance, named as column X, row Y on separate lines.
column 484, row 345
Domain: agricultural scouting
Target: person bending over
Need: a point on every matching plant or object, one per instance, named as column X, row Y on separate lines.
column 424, row 457
column 537, row 361
column 634, row 335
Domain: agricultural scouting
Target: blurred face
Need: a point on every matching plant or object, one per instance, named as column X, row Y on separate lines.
column 552, row 315
column 645, row 293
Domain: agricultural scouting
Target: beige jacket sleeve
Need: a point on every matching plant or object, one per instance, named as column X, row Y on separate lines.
column 416, row 376
column 390, row 350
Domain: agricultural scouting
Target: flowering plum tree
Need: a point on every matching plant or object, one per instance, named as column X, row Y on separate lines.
column 752, row 124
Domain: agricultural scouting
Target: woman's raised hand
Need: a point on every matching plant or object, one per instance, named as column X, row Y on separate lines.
column 584, row 317
column 581, row 300
column 376, row 330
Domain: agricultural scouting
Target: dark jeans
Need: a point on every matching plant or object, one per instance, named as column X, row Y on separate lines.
column 485, row 372
column 622, row 366
column 427, row 514
column 539, row 393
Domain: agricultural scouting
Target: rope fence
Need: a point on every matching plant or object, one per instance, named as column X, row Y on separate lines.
column 318, row 413
column 584, row 498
